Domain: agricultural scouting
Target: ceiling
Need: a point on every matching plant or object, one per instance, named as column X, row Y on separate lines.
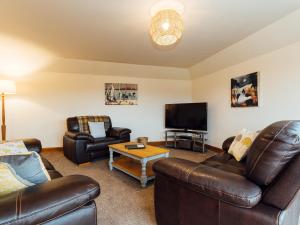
column 117, row 30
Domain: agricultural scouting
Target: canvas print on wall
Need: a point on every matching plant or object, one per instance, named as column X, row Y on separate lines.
column 120, row 94
column 244, row 90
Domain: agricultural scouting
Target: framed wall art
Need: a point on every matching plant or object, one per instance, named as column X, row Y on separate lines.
column 121, row 94
column 244, row 90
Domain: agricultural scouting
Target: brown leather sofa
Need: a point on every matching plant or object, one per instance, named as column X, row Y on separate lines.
column 61, row 201
column 263, row 189
column 80, row 146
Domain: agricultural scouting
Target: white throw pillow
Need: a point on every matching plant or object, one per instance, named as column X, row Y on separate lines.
column 13, row 148
column 242, row 143
column 97, row 129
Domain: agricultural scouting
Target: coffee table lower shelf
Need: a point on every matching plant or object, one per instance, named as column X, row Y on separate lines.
column 133, row 168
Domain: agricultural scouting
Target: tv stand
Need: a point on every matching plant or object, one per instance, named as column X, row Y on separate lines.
column 193, row 140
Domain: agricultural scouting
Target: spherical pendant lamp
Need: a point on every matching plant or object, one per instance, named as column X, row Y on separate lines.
column 166, row 24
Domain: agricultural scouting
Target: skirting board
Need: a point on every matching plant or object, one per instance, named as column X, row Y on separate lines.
column 154, row 143
column 53, row 149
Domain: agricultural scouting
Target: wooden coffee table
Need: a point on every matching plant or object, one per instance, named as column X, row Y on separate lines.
column 135, row 162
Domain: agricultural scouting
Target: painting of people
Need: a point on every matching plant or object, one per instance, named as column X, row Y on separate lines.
column 120, row 94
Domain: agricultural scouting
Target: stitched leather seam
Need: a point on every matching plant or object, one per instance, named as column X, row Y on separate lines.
column 20, row 207
column 95, row 212
column 226, row 193
column 232, row 195
column 285, row 155
column 219, row 212
column 188, row 175
column 278, row 217
column 65, row 213
column 17, row 205
column 265, row 149
column 53, row 206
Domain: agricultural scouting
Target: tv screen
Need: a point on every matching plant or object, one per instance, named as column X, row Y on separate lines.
column 188, row 116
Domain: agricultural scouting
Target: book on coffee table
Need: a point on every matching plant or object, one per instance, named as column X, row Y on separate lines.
column 135, row 146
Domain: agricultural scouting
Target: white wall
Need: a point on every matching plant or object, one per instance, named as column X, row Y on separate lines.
column 279, row 94
column 279, row 34
column 44, row 101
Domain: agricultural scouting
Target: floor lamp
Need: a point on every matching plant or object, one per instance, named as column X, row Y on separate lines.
column 6, row 87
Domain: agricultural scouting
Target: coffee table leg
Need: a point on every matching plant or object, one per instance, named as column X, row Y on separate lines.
column 144, row 173
column 111, row 159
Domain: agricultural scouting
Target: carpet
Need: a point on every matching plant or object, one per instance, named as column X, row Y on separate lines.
column 122, row 200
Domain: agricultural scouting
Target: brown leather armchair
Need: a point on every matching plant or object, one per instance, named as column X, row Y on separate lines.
column 80, row 147
column 263, row 189
column 60, row 201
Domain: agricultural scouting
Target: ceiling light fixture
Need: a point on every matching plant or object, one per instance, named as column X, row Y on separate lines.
column 166, row 24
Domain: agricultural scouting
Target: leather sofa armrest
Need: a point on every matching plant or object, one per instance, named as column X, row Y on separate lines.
column 33, row 144
column 118, row 132
column 79, row 136
column 40, row 203
column 218, row 184
column 226, row 144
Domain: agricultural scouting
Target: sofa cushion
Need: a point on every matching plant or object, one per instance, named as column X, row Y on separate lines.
column 226, row 162
column 101, row 144
column 104, row 139
column 272, row 150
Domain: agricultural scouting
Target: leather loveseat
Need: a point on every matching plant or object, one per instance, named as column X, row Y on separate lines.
column 263, row 189
column 81, row 147
column 61, row 201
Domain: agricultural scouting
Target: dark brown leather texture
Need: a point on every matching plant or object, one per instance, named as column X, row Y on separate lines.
column 60, row 201
column 272, row 150
column 226, row 162
column 215, row 183
column 82, row 147
column 285, row 187
column 219, row 192
column 226, row 144
column 33, row 144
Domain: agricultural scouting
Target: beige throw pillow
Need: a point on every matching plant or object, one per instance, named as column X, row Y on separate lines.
column 241, row 144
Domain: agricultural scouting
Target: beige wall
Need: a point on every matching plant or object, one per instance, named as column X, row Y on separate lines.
column 279, row 94
column 44, row 101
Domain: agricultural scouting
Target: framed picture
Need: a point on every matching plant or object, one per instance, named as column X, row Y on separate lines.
column 121, row 94
column 244, row 90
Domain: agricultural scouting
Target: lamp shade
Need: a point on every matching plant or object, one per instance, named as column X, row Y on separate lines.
column 166, row 27
column 7, row 87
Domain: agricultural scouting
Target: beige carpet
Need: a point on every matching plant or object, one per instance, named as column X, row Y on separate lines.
column 122, row 200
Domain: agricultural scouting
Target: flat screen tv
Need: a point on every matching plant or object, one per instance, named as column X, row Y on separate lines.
column 186, row 116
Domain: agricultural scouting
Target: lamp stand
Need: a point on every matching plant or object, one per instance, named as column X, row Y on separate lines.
column 3, row 126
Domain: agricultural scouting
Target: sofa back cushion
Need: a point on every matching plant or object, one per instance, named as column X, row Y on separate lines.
column 284, row 188
column 80, row 123
column 272, row 150
column 84, row 126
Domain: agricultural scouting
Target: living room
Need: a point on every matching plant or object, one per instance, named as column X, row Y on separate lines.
column 62, row 57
